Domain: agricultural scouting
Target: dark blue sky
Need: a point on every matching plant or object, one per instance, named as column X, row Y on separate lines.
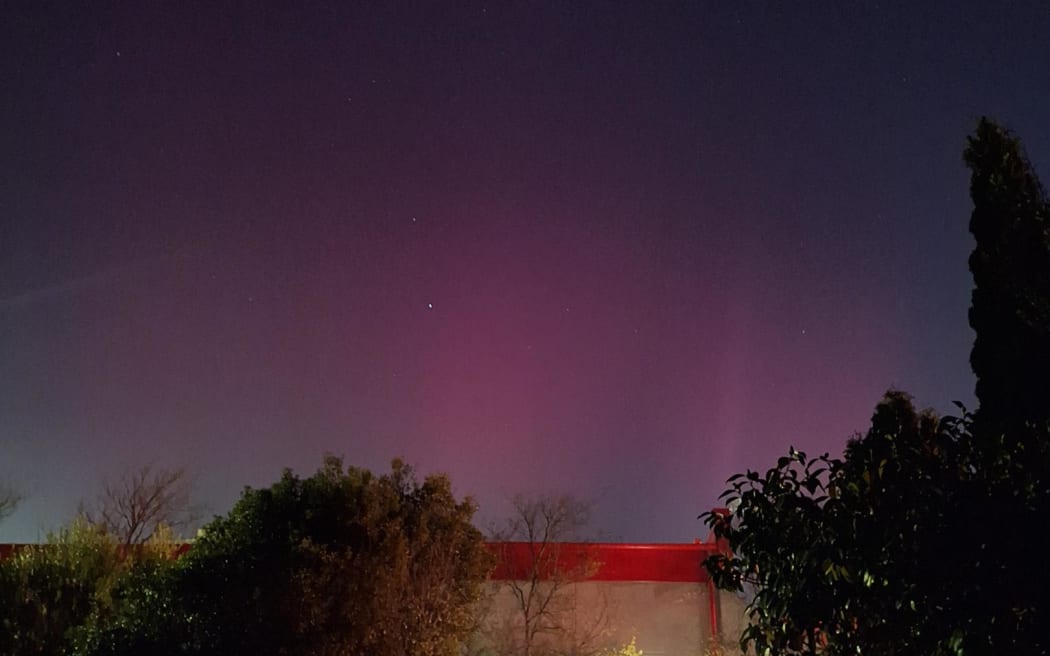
column 619, row 250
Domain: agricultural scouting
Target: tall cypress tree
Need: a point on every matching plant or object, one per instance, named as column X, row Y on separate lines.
column 1011, row 271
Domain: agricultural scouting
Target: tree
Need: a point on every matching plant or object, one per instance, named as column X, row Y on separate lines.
column 141, row 502
column 143, row 617
column 54, row 597
column 9, row 500
column 841, row 552
column 548, row 618
column 342, row 562
column 927, row 536
column 47, row 591
column 919, row 541
column 1011, row 269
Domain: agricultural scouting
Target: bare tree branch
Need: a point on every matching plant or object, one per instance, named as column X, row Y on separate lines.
column 141, row 501
column 9, row 500
column 549, row 619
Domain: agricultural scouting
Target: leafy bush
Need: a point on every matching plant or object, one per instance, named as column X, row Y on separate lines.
column 630, row 649
column 341, row 562
column 48, row 591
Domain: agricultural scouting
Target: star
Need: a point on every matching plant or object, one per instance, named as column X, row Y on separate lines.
column 430, row 306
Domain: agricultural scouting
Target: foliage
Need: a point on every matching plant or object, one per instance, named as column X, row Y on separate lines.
column 141, row 502
column 48, row 591
column 877, row 553
column 927, row 536
column 630, row 649
column 806, row 536
column 54, row 596
column 144, row 620
column 1011, row 357
column 780, row 546
column 143, row 608
column 340, row 562
column 1011, row 270
column 1006, row 593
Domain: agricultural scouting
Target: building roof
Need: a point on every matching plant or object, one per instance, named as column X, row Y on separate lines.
column 671, row 563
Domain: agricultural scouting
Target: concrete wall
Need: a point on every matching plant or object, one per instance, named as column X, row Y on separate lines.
column 664, row 618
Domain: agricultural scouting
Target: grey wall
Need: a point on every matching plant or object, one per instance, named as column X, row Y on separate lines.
column 664, row 619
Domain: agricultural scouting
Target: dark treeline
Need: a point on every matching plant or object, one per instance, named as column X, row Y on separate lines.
column 928, row 535
column 341, row 562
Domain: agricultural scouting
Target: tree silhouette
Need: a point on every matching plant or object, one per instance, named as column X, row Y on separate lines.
column 133, row 508
column 9, row 500
column 1011, row 270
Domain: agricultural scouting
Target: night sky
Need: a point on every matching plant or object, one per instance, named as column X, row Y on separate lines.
column 617, row 250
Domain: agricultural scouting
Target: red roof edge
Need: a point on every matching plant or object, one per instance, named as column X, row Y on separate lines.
column 598, row 561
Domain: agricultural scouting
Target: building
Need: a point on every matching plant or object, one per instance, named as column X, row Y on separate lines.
column 584, row 598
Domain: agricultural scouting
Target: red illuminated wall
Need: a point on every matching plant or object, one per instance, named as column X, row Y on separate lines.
column 671, row 563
